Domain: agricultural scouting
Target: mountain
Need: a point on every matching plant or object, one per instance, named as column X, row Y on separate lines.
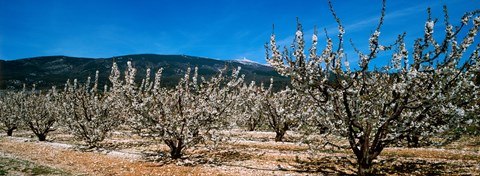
column 50, row 71
column 246, row 61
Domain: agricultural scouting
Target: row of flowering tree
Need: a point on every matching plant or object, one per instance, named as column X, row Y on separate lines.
column 280, row 111
column 180, row 117
column 372, row 106
column 11, row 110
column 421, row 93
column 86, row 113
column 32, row 109
column 184, row 116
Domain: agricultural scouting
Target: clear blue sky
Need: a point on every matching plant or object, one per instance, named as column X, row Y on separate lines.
column 221, row 29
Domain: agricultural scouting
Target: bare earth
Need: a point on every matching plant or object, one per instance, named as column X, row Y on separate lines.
column 245, row 153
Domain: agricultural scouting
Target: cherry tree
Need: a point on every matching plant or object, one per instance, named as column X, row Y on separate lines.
column 89, row 114
column 249, row 112
column 284, row 110
column 281, row 111
column 41, row 112
column 375, row 106
column 186, row 115
column 11, row 110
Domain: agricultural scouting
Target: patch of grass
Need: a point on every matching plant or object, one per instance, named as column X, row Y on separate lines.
column 410, row 166
column 3, row 172
column 275, row 146
column 425, row 153
column 233, row 156
column 9, row 165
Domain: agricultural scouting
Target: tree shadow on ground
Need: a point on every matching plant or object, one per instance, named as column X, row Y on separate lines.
column 314, row 168
column 197, row 158
column 337, row 165
column 342, row 165
column 326, row 165
column 417, row 166
column 229, row 158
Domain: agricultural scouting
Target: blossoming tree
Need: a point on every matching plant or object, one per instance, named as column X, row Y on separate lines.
column 284, row 110
column 89, row 114
column 376, row 107
column 249, row 112
column 11, row 110
column 184, row 116
column 42, row 112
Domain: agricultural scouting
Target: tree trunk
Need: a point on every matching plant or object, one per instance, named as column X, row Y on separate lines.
column 364, row 169
column 42, row 137
column 175, row 153
column 279, row 136
column 365, row 166
column 176, row 147
column 10, row 131
column 251, row 127
column 279, row 133
column 365, row 160
column 413, row 141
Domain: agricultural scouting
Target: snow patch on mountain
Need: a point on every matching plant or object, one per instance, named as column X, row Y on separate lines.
column 246, row 61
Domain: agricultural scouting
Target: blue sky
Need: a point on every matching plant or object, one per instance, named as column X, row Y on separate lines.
column 221, row 29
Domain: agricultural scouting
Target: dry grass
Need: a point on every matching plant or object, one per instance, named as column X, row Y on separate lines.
column 245, row 153
column 280, row 146
column 431, row 153
column 91, row 163
column 466, row 143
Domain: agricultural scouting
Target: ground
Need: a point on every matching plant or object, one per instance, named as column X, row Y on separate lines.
column 242, row 153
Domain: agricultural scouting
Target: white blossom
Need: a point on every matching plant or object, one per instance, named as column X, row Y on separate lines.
column 423, row 98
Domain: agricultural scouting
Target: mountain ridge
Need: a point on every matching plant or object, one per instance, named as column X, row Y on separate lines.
column 47, row 71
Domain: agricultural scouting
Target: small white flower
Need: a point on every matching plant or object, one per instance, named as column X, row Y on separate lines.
column 476, row 21
column 465, row 19
column 429, row 27
column 299, row 34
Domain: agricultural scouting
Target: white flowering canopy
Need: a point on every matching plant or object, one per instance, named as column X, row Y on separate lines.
column 374, row 108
